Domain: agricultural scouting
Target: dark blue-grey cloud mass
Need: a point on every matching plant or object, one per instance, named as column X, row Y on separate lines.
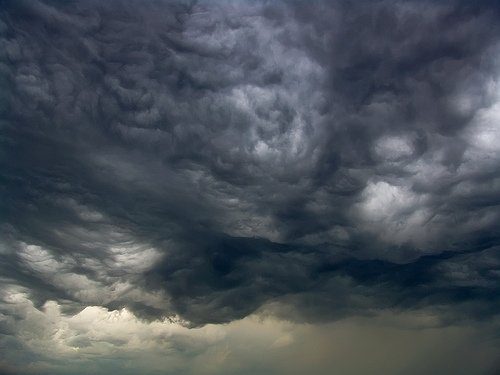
column 206, row 159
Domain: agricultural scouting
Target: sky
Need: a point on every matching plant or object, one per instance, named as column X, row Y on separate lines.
column 249, row 187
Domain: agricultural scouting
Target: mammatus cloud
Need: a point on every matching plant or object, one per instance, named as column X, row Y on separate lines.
column 203, row 162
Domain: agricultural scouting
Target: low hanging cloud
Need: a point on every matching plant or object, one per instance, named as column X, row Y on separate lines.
column 203, row 161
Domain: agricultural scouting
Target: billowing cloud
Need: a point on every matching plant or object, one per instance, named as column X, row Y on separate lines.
column 206, row 161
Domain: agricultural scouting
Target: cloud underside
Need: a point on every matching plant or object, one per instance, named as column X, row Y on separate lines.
column 204, row 161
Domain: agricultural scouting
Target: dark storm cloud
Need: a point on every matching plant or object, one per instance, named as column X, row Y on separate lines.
column 205, row 159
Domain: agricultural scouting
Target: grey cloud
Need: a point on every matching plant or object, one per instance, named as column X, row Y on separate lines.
column 206, row 159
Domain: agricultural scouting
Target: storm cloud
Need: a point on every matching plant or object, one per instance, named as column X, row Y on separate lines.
column 205, row 161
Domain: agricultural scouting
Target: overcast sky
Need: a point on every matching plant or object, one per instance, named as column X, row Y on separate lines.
column 249, row 187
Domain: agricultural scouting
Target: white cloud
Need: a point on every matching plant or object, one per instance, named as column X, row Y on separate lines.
column 389, row 342
column 393, row 148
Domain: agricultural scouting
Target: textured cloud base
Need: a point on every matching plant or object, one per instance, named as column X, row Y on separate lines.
column 202, row 162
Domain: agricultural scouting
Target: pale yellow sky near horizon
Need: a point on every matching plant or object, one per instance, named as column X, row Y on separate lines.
column 388, row 342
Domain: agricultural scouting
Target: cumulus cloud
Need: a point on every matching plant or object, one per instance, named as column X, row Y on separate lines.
column 97, row 340
column 203, row 160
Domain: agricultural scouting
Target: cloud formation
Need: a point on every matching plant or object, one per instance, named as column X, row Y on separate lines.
column 204, row 161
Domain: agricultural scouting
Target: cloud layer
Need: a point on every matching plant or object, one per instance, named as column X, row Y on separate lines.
column 204, row 161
